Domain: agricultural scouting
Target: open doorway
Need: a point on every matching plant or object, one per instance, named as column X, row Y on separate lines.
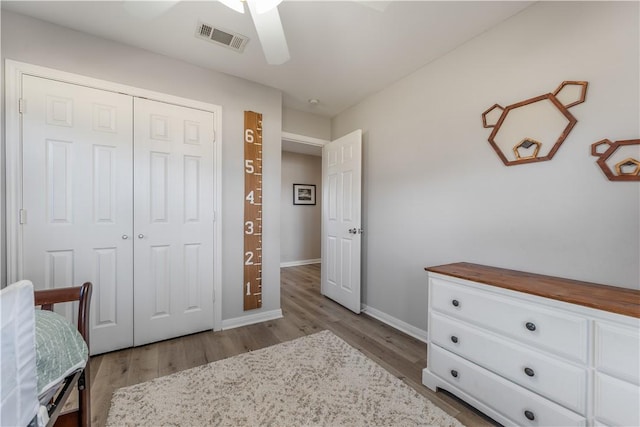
column 301, row 201
column 332, row 232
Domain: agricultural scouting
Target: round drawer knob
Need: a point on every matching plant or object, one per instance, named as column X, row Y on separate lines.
column 530, row 326
column 455, row 303
column 529, row 415
column 529, row 372
column 454, row 339
column 454, row 373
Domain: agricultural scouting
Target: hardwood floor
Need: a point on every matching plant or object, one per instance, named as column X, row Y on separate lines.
column 305, row 312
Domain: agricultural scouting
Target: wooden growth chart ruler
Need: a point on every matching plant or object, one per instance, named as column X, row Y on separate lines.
column 252, row 286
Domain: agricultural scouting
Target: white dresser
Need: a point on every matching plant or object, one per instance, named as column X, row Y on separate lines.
column 533, row 350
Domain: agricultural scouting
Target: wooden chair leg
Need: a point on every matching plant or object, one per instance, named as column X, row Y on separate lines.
column 84, row 398
column 46, row 299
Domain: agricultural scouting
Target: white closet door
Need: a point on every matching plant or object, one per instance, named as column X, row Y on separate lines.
column 77, row 200
column 173, row 225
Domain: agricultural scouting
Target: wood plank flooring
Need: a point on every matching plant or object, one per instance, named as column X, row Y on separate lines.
column 305, row 312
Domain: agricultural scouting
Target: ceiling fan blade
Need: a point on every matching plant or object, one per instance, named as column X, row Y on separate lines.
column 271, row 34
column 148, row 9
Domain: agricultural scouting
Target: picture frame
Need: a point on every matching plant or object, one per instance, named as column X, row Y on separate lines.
column 304, row 194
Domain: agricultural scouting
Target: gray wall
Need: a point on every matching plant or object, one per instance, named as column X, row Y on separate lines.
column 300, row 224
column 435, row 192
column 307, row 124
column 33, row 41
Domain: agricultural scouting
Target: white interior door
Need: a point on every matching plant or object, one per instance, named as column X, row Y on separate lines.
column 174, row 220
column 341, row 220
column 77, row 200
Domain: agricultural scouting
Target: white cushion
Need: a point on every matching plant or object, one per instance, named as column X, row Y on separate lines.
column 18, row 391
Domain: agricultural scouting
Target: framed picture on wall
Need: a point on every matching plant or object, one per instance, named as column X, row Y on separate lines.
column 304, row 194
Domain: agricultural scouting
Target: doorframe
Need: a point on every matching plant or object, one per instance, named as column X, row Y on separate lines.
column 14, row 70
column 304, row 140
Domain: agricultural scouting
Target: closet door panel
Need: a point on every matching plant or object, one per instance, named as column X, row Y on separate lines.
column 173, row 176
column 78, row 197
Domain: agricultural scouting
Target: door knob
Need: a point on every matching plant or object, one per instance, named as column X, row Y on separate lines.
column 125, row 237
column 353, row 230
column 140, row 236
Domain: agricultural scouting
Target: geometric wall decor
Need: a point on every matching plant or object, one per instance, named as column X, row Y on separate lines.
column 533, row 130
column 526, row 144
column 620, row 160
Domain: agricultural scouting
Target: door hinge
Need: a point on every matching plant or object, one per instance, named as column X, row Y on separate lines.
column 22, row 216
column 21, row 106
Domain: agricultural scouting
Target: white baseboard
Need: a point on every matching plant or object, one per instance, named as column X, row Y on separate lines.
column 251, row 319
column 301, row 262
column 417, row 333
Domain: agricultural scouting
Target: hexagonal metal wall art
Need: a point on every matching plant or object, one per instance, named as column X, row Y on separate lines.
column 567, row 95
column 627, row 169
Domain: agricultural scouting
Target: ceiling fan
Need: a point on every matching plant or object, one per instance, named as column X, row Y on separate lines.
column 266, row 19
column 264, row 13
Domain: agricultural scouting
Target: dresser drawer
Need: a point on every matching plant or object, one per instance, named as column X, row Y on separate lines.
column 561, row 382
column 522, row 407
column 616, row 402
column 556, row 332
column 618, row 351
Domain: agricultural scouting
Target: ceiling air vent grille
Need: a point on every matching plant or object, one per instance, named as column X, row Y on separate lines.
column 221, row 37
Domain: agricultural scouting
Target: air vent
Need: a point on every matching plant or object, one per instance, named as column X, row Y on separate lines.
column 221, row 37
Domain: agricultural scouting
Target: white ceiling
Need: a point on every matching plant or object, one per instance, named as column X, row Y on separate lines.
column 341, row 51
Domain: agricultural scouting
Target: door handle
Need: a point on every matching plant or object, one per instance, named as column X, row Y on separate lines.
column 140, row 236
column 355, row 231
column 125, row 237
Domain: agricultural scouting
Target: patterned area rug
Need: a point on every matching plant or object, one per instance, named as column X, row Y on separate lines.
column 317, row 380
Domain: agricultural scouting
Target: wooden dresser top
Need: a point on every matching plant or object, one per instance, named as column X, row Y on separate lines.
column 601, row 297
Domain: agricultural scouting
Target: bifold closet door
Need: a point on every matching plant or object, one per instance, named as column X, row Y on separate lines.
column 77, row 200
column 127, row 206
column 173, row 221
